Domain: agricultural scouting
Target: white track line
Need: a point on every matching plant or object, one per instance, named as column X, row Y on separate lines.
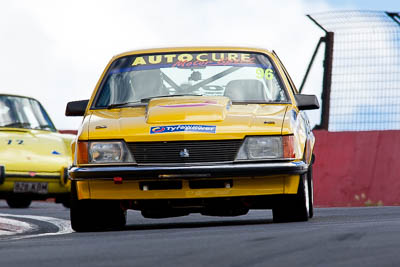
column 64, row 226
column 14, row 227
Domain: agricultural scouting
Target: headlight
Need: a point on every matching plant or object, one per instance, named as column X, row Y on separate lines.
column 266, row 147
column 108, row 152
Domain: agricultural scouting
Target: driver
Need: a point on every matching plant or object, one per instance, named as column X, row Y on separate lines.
column 147, row 83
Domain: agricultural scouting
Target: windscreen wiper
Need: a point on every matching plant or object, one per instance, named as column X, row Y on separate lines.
column 42, row 127
column 144, row 100
column 17, row 125
column 117, row 105
column 147, row 99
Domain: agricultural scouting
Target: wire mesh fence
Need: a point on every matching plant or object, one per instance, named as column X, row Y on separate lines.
column 365, row 78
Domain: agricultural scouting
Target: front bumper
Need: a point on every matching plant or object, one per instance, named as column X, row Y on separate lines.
column 246, row 179
column 187, row 172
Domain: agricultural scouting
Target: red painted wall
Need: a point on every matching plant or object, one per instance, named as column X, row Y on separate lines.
column 357, row 168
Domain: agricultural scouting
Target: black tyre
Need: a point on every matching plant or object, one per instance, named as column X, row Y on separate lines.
column 65, row 200
column 66, row 203
column 293, row 208
column 94, row 215
column 310, row 192
column 18, row 202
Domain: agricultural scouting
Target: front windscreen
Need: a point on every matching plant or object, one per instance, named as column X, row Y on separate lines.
column 243, row 77
column 21, row 112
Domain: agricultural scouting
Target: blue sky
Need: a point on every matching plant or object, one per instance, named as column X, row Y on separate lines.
column 385, row 5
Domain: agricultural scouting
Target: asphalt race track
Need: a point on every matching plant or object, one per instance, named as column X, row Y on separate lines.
column 367, row 236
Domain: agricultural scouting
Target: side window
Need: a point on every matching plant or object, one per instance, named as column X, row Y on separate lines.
column 104, row 97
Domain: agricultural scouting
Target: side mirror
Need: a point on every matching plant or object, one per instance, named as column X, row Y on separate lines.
column 76, row 108
column 306, row 102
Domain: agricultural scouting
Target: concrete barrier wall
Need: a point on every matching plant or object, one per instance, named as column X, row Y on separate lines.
column 357, row 168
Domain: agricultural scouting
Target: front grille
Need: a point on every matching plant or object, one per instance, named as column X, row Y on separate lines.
column 184, row 151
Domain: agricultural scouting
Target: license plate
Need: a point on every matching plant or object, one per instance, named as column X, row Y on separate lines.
column 25, row 187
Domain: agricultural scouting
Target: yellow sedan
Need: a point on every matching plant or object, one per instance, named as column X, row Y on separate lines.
column 174, row 131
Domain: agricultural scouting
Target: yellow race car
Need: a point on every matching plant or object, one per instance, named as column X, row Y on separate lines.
column 210, row 130
column 34, row 157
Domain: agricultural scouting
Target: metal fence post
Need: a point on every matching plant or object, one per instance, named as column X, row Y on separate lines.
column 327, row 81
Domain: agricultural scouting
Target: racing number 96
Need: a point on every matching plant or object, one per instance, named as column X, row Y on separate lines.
column 268, row 73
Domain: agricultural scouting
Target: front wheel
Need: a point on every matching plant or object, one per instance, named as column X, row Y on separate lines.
column 294, row 208
column 310, row 192
column 18, row 202
column 66, row 203
column 94, row 215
